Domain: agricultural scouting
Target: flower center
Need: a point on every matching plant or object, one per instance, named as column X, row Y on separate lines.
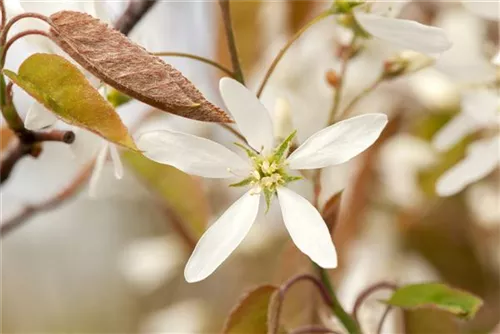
column 269, row 172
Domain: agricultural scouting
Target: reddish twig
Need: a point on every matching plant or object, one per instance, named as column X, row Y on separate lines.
column 367, row 292
column 31, row 210
column 4, row 15
column 382, row 320
column 287, row 285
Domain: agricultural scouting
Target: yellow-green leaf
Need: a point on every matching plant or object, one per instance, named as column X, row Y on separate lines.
column 250, row 314
column 436, row 295
column 181, row 192
column 62, row 88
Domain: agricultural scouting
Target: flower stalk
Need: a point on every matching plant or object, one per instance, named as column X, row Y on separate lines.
column 231, row 42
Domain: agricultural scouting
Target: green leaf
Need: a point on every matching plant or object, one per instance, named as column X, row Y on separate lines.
column 250, row 314
column 117, row 98
column 282, row 149
column 62, row 88
column 243, row 183
column 180, row 192
column 436, row 295
column 268, row 196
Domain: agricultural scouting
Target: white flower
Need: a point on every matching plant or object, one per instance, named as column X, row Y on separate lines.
column 266, row 172
column 479, row 111
column 378, row 19
column 482, row 158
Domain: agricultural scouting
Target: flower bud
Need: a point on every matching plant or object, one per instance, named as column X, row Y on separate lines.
column 332, row 78
column 283, row 124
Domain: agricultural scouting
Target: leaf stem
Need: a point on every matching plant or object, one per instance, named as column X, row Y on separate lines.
column 199, row 58
column 367, row 292
column 349, row 322
column 231, row 42
column 285, row 48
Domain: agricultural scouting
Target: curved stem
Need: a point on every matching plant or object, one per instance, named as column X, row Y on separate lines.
column 361, row 95
column 350, row 323
column 367, row 292
column 285, row 48
column 17, row 37
column 5, row 31
column 231, row 42
column 382, row 320
column 285, row 287
column 192, row 56
column 4, row 15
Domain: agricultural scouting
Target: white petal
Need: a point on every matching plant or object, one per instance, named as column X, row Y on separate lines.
column 481, row 106
column 222, row 238
column 117, row 162
column 405, row 33
column 39, row 117
column 98, row 167
column 456, row 129
column 481, row 160
column 13, row 8
column 250, row 115
column 338, row 143
column 192, row 154
column 486, row 9
column 307, row 229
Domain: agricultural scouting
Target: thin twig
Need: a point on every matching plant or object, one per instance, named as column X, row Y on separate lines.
column 18, row 36
column 348, row 109
column 313, row 329
column 4, row 15
column 285, row 48
column 367, row 292
column 5, row 31
column 133, row 14
column 346, row 56
column 290, row 283
column 199, row 58
column 231, row 42
column 31, row 210
column 388, row 309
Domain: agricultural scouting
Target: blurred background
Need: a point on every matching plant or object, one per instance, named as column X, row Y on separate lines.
column 113, row 263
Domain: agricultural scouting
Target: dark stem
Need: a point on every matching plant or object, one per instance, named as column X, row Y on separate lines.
column 12, row 157
column 367, row 292
column 287, row 285
column 5, row 31
column 313, row 329
column 231, row 42
column 15, row 38
column 4, row 15
column 10, row 225
column 349, row 323
column 382, row 320
column 133, row 14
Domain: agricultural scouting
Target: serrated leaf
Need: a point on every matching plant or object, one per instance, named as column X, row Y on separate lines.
column 180, row 192
column 62, row 88
column 250, row 314
column 436, row 295
column 124, row 65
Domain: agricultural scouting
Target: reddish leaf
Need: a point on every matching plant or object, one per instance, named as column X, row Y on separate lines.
column 113, row 58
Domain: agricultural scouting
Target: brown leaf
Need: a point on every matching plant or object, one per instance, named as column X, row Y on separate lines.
column 331, row 211
column 129, row 68
column 250, row 314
